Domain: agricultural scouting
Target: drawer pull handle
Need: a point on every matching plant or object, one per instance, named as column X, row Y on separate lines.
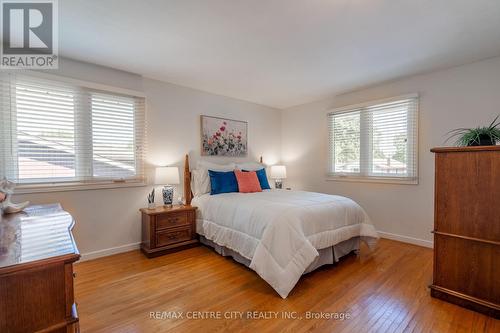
column 174, row 236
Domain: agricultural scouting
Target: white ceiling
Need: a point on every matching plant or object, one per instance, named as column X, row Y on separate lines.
column 279, row 52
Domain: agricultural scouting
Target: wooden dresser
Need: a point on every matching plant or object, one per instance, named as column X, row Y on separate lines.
column 37, row 252
column 467, row 228
column 168, row 229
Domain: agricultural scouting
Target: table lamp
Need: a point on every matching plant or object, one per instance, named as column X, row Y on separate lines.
column 167, row 176
column 278, row 173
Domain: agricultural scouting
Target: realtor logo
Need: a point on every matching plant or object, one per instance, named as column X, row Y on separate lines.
column 29, row 34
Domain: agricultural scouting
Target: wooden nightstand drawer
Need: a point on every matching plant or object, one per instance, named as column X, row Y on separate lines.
column 173, row 236
column 171, row 220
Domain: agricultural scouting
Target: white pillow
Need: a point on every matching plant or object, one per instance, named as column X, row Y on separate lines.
column 215, row 167
column 197, row 182
column 200, row 181
column 250, row 166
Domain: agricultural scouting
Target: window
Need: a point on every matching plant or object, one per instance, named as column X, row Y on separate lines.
column 59, row 133
column 376, row 141
column 113, row 136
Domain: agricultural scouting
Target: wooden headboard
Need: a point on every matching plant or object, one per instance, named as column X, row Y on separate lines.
column 188, row 193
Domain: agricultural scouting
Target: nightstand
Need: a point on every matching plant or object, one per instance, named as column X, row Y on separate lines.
column 168, row 229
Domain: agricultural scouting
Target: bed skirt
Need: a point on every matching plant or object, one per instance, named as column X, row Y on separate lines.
column 327, row 256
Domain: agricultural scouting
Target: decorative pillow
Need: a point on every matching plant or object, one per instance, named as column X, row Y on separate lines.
column 250, row 166
column 262, row 176
column 247, row 181
column 200, row 181
column 222, row 182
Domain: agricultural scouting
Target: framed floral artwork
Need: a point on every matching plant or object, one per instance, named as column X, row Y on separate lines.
column 223, row 137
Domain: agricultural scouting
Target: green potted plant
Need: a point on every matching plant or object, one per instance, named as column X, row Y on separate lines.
column 479, row 136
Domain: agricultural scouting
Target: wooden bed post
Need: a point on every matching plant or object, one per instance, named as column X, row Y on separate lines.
column 187, row 181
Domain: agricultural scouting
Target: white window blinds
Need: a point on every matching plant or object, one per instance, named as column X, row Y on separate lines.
column 114, row 144
column 56, row 132
column 44, row 132
column 375, row 140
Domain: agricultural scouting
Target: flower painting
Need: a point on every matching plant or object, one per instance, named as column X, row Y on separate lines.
column 223, row 137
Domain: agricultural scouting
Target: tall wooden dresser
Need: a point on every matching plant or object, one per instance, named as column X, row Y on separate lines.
column 467, row 228
column 37, row 252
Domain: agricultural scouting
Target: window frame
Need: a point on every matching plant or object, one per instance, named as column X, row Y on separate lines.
column 72, row 184
column 365, row 175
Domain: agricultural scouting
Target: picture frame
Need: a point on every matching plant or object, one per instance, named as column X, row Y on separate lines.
column 223, row 137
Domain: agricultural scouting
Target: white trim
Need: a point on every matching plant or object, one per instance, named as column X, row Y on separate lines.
column 406, row 239
column 371, row 179
column 371, row 103
column 61, row 187
column 135, row 246
column 82, row 83
column 107, row 252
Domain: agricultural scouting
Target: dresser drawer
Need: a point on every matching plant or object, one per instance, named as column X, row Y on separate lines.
column 172, row 236
column 171, row 220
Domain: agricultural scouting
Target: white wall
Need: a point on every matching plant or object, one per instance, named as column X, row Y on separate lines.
column 109, row 219
column 464, row 96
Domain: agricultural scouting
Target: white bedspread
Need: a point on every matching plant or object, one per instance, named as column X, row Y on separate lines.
column 279, row 230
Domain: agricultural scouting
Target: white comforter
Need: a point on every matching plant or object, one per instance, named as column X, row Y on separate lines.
column 280, row 231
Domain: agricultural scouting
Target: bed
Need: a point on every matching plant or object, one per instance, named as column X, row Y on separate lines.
column 280, row 234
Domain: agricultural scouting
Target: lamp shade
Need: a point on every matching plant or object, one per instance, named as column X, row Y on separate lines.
column 167, row 176
column 278, row 172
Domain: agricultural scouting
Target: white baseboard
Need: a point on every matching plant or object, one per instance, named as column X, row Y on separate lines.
column 406, row 239
column 110, row 251
column 135, row 246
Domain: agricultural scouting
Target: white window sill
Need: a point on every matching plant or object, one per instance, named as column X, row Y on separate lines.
column 63, row 187
column 379, row 180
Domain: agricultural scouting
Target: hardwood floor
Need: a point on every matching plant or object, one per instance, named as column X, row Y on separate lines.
column 382, row 291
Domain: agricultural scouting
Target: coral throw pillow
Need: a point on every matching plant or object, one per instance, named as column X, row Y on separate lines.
column 247, row 181
column 261, row 174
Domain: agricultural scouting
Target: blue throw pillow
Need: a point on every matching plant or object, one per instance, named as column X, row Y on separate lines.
column 261, row 174
column 222, row 182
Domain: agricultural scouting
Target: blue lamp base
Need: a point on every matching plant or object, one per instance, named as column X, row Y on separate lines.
column 168, row 195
